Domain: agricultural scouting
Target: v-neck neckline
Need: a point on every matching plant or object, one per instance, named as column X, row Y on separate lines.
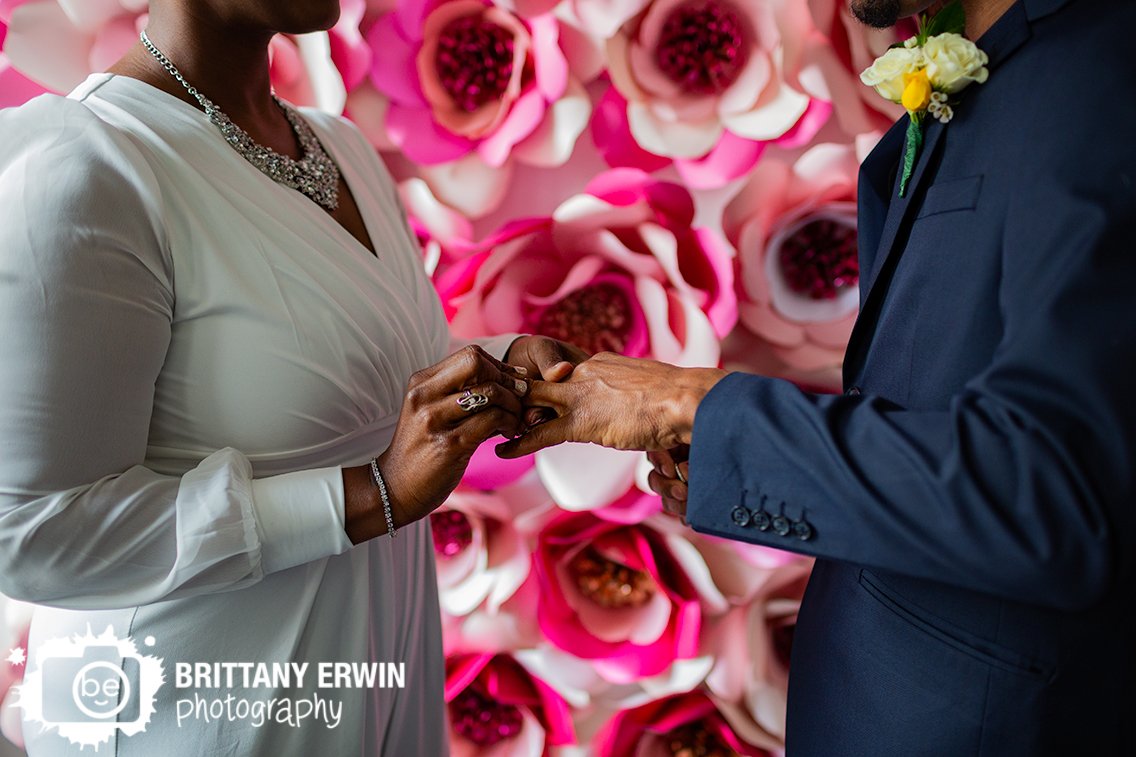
column 348, row 173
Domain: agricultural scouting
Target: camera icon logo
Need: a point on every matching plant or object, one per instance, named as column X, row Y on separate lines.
column 99, row 684
column 90, row 687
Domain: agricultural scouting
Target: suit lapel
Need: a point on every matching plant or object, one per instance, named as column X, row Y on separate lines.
column 900, row 207
column 1004, row 38
column 876, row 187
column 874, row 285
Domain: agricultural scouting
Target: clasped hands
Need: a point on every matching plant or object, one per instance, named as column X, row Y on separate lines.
column 622, row 403
column 545, row 393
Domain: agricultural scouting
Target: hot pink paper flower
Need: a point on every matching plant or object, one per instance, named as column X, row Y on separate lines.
column 498, row 708
column 469, row 78
column 706, row 83
column 481, row 557
column 681, row 724
column 794, row 227
column 618, row 268
column 616, row 594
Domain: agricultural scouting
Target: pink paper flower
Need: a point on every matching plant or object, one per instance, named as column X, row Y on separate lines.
column 794, row 227
column 481, row 557
column 471, row 79
column 15, row 623
column 681, row 724
column 444, row 235
column 751, row 646
column 619, row 595
column 707, row 84
column 15, row 88
column 497, row 707
column 618, row 268
column 58, row 43
column 834, row 52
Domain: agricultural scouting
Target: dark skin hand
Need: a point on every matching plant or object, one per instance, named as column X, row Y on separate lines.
column 546, row 359
column 619, row 402
column 624, row 403
column 434, row 440
column 668, row 479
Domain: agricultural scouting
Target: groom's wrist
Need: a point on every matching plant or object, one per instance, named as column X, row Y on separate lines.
column 692, row 387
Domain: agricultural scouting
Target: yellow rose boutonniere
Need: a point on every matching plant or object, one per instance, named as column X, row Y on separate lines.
column 923, row 73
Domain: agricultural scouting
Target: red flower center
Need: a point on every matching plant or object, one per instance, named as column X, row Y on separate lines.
column 693, row 740
column 474, row 61
column 608, row 583
column 702, row 46
column 596, row 319
column 452, row 532
column 820, row 259
column 482, row 721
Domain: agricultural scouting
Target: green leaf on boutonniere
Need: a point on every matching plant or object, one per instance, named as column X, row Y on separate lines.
column 950, row 20
column 911, row 147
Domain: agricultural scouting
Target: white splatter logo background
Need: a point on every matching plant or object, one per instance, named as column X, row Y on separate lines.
column 87, row 687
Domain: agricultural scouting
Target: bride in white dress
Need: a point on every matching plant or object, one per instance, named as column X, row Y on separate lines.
column 198, row 363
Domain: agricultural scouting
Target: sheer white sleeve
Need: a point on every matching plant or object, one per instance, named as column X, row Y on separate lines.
column 86, row 301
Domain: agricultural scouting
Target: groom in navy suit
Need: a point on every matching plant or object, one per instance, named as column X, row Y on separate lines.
column 971, row 498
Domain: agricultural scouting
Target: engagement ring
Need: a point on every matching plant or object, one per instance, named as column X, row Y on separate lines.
column 470, row 402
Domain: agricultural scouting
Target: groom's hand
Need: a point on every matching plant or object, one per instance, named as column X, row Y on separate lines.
column 668, row 478
column 617, row 402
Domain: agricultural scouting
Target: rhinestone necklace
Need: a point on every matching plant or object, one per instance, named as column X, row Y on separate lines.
column 316, row 174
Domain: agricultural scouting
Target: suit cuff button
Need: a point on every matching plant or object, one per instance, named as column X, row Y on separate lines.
column 781, row 525
column 740, row 516
column 803, row 530
column 761, row 520
column 853, row 391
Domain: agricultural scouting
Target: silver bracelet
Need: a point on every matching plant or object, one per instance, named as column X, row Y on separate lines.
column 378, row 476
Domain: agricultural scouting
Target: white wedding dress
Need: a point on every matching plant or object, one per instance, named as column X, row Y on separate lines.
column 188, row 353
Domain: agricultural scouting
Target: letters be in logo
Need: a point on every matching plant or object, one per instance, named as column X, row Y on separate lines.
column 88, row 687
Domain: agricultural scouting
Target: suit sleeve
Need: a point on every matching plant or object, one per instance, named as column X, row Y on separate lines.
column 1024, row 486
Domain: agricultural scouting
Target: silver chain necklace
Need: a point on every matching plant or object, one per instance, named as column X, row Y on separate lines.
column 315, row 174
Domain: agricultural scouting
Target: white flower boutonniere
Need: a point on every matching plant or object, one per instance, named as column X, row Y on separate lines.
column 925, row 72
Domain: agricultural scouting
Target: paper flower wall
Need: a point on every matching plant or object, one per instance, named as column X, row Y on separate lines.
column 672, row 179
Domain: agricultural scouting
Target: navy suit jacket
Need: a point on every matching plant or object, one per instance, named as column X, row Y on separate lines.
column 971, row 498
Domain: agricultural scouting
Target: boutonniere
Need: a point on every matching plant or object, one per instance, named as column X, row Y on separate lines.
column 924, row 73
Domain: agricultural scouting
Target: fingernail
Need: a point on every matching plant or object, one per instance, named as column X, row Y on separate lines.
column 522, row 387
column 521, row 370
column 678, row 491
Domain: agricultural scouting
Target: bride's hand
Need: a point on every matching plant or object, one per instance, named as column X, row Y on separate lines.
column 436, row 435
column 545, row 358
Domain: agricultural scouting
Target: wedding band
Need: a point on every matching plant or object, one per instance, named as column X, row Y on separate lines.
column 470, row 401
column 678, row 472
